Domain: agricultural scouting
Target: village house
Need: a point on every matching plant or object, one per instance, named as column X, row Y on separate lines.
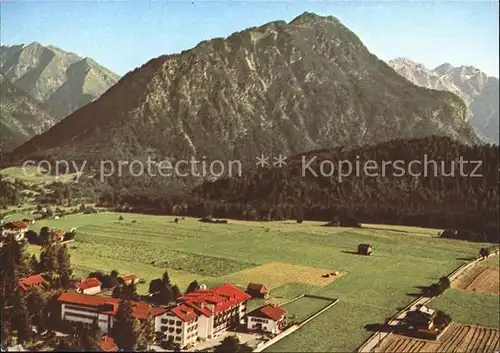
column 89, row 286
column 26, row 283
column 422, row 318
column 364, row 249
column 57, row 235
column 16, row 228
column 128, row 279
column 268, row 318
column 202, row 314
column 82, row 308
column 257, row 290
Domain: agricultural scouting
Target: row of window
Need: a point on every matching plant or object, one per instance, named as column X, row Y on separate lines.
column 171, row 330
column 259, row 320
column 171, row 322
column 175, row 338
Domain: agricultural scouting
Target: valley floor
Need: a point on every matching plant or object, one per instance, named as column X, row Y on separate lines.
column 369, row 288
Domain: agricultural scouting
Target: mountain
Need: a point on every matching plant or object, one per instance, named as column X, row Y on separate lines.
column 479, row 91
column 62, row 80
column 21, row 116
column 278, row 88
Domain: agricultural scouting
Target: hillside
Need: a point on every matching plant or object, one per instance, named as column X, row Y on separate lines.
column 479, row 91
column 279, row 88
column 21, row 116
column 445, row 198
column 62, row 80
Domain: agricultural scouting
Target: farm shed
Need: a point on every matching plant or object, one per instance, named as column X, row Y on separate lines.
column 128, row 279
column 421, row 318
column 364, row 249
column 257, row 290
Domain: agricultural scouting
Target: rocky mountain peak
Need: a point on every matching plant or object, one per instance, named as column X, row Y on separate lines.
column 280, row 88
column 478, row 90
column 54, row 76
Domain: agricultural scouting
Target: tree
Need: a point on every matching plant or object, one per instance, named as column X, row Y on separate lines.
column 166, row 295
column 231, row 344
column 484, row 253
column 63, row 265
column 442, row 319
column 117, row 292
column 44, row 235
column 48, row 259
column 193, row 286
column 176, row 293
column 166, row 279
column 34, row 265
column 155, row 286
column 35, row 305
column 20, row 318
column 126, row 327
column 147, row 332
column 129, row 292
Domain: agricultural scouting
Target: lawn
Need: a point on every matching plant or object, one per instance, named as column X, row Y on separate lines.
column 371, row 289
column 466, row 307
column 303, row 308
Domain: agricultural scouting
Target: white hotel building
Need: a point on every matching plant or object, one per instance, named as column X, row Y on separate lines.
column 198, row 315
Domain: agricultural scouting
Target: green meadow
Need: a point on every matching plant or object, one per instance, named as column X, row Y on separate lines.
column 372, row 289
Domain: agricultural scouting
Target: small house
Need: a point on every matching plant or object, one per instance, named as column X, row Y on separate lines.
column 128, row 279
column 420, row 318
column 364, row 249
column 257, row 290
column 26, row 283
column 57, row 236
column 268, row 318
column 17, row 228
column 89, row 286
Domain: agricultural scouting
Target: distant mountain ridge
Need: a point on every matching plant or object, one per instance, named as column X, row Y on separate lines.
column 479, row 91
column 62, row 80
column 21, row 116
column 281, row 88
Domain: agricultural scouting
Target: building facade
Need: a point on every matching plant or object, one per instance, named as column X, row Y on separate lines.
column 203, row 314
column 268, row 318
column 87, row 309
column 16, row 228
column 89, row 286
column 198, row 315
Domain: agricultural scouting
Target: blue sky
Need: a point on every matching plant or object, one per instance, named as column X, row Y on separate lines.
column 122, row 35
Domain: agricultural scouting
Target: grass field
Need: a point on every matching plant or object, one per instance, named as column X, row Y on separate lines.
column 305, row 307
column 34, row 175
column 370, row 290
column 467, row 307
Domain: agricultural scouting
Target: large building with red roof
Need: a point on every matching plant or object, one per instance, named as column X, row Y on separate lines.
column 77, row 307
column 198, row 315
column 204, row 313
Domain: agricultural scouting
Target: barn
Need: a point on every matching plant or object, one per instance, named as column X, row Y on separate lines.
column 364, row 249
